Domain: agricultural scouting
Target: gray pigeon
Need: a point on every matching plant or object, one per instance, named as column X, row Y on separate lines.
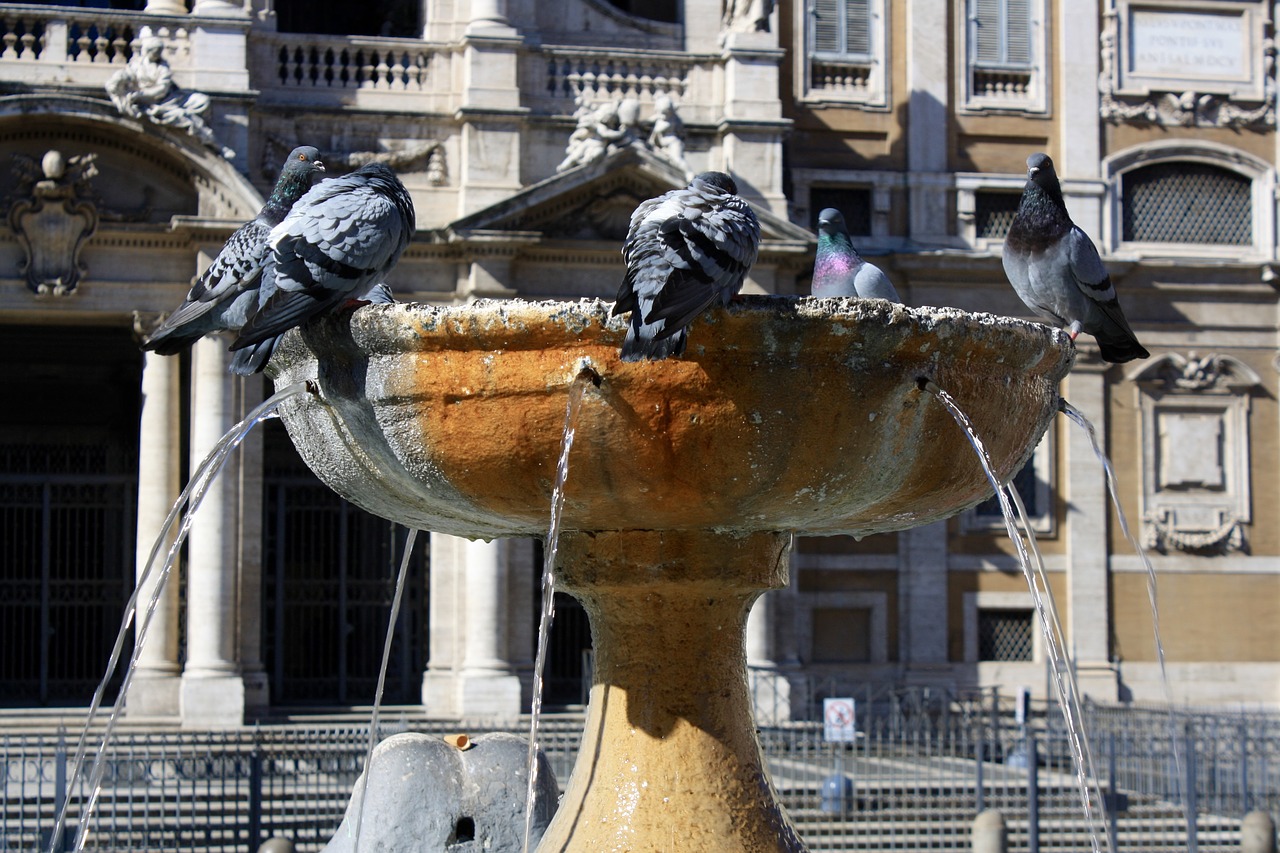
column 227, row 293
column 1056, row 270
column 839, row 270
column 339, row 238
column 685, row 249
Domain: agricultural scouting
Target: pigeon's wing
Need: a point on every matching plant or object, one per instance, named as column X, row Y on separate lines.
column 236, row 270
column 872, row 283
column 1086, row 266
column 639, row 253
column 710, row 248
column 332, row 244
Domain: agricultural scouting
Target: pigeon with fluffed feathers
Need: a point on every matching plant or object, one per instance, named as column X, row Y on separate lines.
column 838, row 269
column 226, row 294
column 339, row 239
column 1056, row 270
column 685, row 250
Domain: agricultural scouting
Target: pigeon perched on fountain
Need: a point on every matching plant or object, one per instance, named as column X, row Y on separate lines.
column 339, row 239
column 1056, row 270
column 224, row 296
column 685, row 250
column 839, row 270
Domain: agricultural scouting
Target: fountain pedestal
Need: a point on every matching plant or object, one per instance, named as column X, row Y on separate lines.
column 783, row 415
column 669, row 757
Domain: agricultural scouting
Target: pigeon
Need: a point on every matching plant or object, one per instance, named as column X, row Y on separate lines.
column 685, row 249
column 839, row 270
column 227, row 293
column 1056, row 270
column 339, row 238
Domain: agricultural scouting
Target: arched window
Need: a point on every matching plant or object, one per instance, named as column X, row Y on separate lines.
column 1181, row 202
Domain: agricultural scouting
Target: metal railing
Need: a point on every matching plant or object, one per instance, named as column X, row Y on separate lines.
column 915, row 777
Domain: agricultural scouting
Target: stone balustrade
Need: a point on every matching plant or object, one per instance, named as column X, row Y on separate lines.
column 80, row 48
column 556, row 76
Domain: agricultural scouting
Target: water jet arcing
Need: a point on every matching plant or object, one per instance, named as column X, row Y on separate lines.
column 689, row 476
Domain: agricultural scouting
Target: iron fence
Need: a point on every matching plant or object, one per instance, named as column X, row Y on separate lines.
column 918, row 772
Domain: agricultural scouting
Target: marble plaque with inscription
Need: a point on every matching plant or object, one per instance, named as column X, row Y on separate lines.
column 1189, row 45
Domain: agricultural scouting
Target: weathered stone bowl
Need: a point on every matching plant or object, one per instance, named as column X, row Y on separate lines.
column 686, row 478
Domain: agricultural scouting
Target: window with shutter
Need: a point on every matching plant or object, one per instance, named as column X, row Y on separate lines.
column 1003, row 56
column 845, row 50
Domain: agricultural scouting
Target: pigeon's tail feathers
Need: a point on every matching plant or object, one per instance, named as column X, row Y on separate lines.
column 679, row 304
column 652, row 341
column 380, row 294
column 171, row 341
column 1115, row 337
column 281, row 313
column 251, row 359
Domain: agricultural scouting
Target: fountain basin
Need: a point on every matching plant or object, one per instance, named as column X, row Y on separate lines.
column 785, row 414
column 686, row 478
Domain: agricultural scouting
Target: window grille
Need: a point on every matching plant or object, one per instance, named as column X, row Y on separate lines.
column 993, row 213
column 853, row 202
column 1006, row 635
column 1187, row 203
column 842, row 29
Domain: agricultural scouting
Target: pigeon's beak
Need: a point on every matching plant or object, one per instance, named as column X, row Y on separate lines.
column 319, row 166
column 1033, row 171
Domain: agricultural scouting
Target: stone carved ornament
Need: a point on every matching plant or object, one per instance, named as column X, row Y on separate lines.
column 53, row 215
column 144, row 90
column 1193, row 375
column 614, row 125
column 406, row 158
column 1182, row 109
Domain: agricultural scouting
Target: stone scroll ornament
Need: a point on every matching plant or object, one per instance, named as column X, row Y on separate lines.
column 52, row 217
column 144, row 90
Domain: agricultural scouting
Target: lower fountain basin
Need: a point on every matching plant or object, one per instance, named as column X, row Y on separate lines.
column 785, row 414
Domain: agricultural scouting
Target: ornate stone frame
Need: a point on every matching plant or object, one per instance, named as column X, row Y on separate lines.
column 1185, row 397
column 1193, row 100
column 1260, row 174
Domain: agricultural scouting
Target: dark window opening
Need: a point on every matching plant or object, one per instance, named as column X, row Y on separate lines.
column 386, row 18
column 853, row 202
column 666, row 11
column 569, row 650
column 993, row 213
column 1025, row 481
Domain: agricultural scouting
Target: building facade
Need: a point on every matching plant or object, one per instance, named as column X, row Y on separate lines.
column 527, row 133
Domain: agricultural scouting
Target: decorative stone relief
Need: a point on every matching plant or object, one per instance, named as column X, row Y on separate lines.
column 52, row 217
column 144, row 90
column 613, row 125
column 1206, row 105
column 1195, row 440
column 406, row 157
column 745, row 16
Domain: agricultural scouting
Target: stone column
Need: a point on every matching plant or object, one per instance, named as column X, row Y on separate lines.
column 249, row 467
column 1088, row 592
column 443, row 624
column 928, row 169
column 491, row 113
column 767, row 670
column 155, row 684
column 488, row 16
column 487, row 683
column 1078, row 156
column 922, row 632
column 212, row 690
column 166, row 7
column 753, row 126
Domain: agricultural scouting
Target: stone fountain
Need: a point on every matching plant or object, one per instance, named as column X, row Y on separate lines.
column 687, row 478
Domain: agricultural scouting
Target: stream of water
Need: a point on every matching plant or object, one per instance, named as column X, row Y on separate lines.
column 191, row 496
column 577, row 390
column 1061, row 671
column 1077, row 417
column 382, row 681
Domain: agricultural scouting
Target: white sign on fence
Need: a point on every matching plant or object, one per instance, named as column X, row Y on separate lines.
column 839, row 719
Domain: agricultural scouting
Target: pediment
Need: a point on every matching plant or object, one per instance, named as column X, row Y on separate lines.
column 595, row 202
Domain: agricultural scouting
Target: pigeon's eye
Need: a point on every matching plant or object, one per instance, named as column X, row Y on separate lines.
column 302, row 156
